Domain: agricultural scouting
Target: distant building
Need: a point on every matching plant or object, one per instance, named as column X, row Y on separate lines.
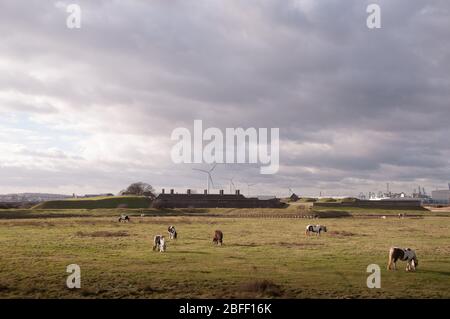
column 388, row 203
column 31, row 197
column 205, row 200
column 441, row 196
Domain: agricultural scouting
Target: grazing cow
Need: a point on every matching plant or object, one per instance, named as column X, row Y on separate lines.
column 124, row 219
column 172, row 232
column 404, row 254
column 401, row 215
column 159, row 243
column 315, row 229
column 218, row 237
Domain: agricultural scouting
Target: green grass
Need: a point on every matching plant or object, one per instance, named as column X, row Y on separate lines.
column 293, row 210
column 117, row 262
column 97, row 203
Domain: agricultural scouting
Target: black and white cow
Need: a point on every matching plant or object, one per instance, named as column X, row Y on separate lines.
column 404, row 254
column 159, row 243
column 124, row 219
column 218, row 237
column 172, row 232
column 315, row 229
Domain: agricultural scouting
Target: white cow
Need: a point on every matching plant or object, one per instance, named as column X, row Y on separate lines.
column 172, row 232
column 159, row 243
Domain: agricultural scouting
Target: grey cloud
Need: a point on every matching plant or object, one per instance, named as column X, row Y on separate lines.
column 147, row 67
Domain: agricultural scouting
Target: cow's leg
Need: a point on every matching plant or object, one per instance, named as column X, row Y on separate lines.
column 389, row 263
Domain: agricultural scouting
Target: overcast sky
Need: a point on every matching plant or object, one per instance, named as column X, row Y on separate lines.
column 91, row 110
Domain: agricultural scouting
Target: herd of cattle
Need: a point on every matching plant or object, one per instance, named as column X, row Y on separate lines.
column 395, row 253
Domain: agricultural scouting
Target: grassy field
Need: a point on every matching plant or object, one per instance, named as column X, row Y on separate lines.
column 261, row 257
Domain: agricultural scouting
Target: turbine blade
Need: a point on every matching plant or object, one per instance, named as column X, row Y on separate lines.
column 211, row 180
column 200, row 170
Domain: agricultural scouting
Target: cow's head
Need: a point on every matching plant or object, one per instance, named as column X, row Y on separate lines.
column 324, row 228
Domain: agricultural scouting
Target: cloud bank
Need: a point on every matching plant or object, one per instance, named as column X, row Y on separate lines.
column 92, row 109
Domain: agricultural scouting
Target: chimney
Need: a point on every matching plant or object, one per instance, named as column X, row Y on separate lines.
column 237, row 192
column 221, row 192
column 171, row 191
column 205, row 192
column 189, row 192
column 163, row 191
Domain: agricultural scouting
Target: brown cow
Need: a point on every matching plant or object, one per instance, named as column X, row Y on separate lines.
column 218, row 237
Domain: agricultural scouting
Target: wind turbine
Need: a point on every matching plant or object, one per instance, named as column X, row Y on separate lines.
column 208, row 176
column 290, row 191
column 232, row 184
